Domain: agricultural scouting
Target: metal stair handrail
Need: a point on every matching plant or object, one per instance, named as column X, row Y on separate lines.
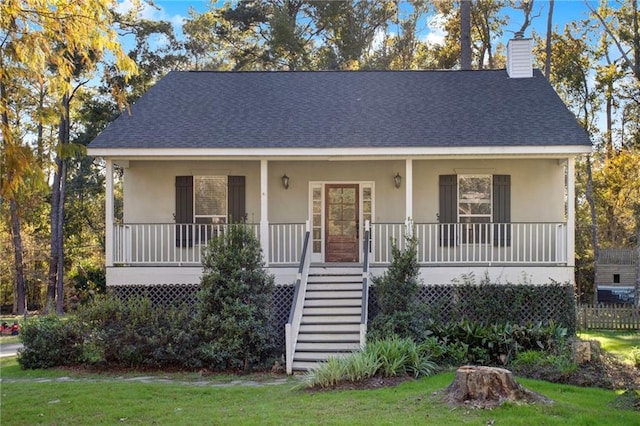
column 365, row 284
column 292, row 328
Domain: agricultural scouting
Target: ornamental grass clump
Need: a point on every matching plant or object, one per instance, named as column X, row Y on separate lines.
column 391, row 357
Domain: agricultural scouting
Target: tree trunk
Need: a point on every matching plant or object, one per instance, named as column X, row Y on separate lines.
column 594, row 229
column 465, row 34
column 57, row 212
column 55, row 290
column 485, row 387
column 637, row 295
column 60, row 240
column 636, row 40
column 21, row 292
column 53, row 259
column 548, row 52
column 40, row 129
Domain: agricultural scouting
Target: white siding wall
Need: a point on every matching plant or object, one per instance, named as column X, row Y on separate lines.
column 537, row 186
column 149, row 187
column 291, row 205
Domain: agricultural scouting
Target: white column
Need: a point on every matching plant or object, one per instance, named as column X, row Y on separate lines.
column 408, row 171
column 264, row 210
column 109, row 219
column 571, row 211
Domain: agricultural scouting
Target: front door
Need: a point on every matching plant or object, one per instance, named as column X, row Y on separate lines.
column 341, row 223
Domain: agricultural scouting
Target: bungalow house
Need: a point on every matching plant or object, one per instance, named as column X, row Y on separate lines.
column 329, row 167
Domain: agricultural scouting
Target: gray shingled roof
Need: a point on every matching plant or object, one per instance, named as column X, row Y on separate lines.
column 345, row 109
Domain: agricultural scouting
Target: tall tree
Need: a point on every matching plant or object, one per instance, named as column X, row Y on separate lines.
column 547, row 49
column 465, row 34
column 488, row 25
column 47, row 40
column 622, row 29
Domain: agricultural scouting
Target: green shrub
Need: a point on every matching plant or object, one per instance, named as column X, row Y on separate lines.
column 398, row 311
column 135, row 333
column 87, row 280
column 231, row 327
column 497, row 344
column 49, row 341
column 491, row 303
column 530, row 357
column 562, row 363
column 234, row 308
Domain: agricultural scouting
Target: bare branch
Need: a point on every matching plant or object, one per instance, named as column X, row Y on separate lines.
column 636, row 71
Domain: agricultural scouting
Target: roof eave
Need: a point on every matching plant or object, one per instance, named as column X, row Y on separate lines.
column 342, row 153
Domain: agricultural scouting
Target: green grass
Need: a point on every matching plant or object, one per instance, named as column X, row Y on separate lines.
column 6, row 340
column 619, row 343
column 104, row 399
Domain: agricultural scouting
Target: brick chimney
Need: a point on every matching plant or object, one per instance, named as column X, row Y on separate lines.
column 519, row 60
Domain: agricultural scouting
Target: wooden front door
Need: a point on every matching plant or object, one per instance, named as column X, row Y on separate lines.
column 342, row 223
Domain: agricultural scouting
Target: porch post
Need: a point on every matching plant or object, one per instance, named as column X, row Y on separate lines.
column 264, row 210
column 109, row 218
column 408, row 171
column 571, row 211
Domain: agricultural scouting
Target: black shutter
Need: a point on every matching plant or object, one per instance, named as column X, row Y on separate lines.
column 501, row 210
column 184, row 211
column 236, row 199
column 448, row 209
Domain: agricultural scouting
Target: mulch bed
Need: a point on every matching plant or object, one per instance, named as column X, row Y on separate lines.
column 607, row 372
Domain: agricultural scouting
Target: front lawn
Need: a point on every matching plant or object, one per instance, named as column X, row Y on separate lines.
column 614, row 341
column 65, row 397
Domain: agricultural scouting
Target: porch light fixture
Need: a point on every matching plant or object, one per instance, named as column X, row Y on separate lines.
column 397, row 180
column 285, row 181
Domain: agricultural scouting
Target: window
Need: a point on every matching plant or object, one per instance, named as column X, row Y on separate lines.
column 474, row 207
column 210, row 198
column 316, row 224
column 616, row 278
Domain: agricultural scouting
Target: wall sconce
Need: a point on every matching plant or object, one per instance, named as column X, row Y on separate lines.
column 285, row 181
column 397, row 180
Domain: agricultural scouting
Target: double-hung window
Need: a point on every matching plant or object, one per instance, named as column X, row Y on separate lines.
column 208, row 202
column 474, row 207
column 210, row 199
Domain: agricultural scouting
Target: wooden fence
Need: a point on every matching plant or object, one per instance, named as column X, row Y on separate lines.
column 609, row 317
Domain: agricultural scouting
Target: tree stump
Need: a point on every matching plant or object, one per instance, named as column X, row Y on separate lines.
column 581, row 351
column 486, row 387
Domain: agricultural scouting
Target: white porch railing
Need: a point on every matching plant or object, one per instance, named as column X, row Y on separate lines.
column 164, row 243
column 286, row 241
column 484, row 243
column 455, row 243
column 182, row 244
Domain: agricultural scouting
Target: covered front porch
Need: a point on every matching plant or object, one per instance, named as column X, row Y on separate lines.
column 502, row 220
column 535, row 247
